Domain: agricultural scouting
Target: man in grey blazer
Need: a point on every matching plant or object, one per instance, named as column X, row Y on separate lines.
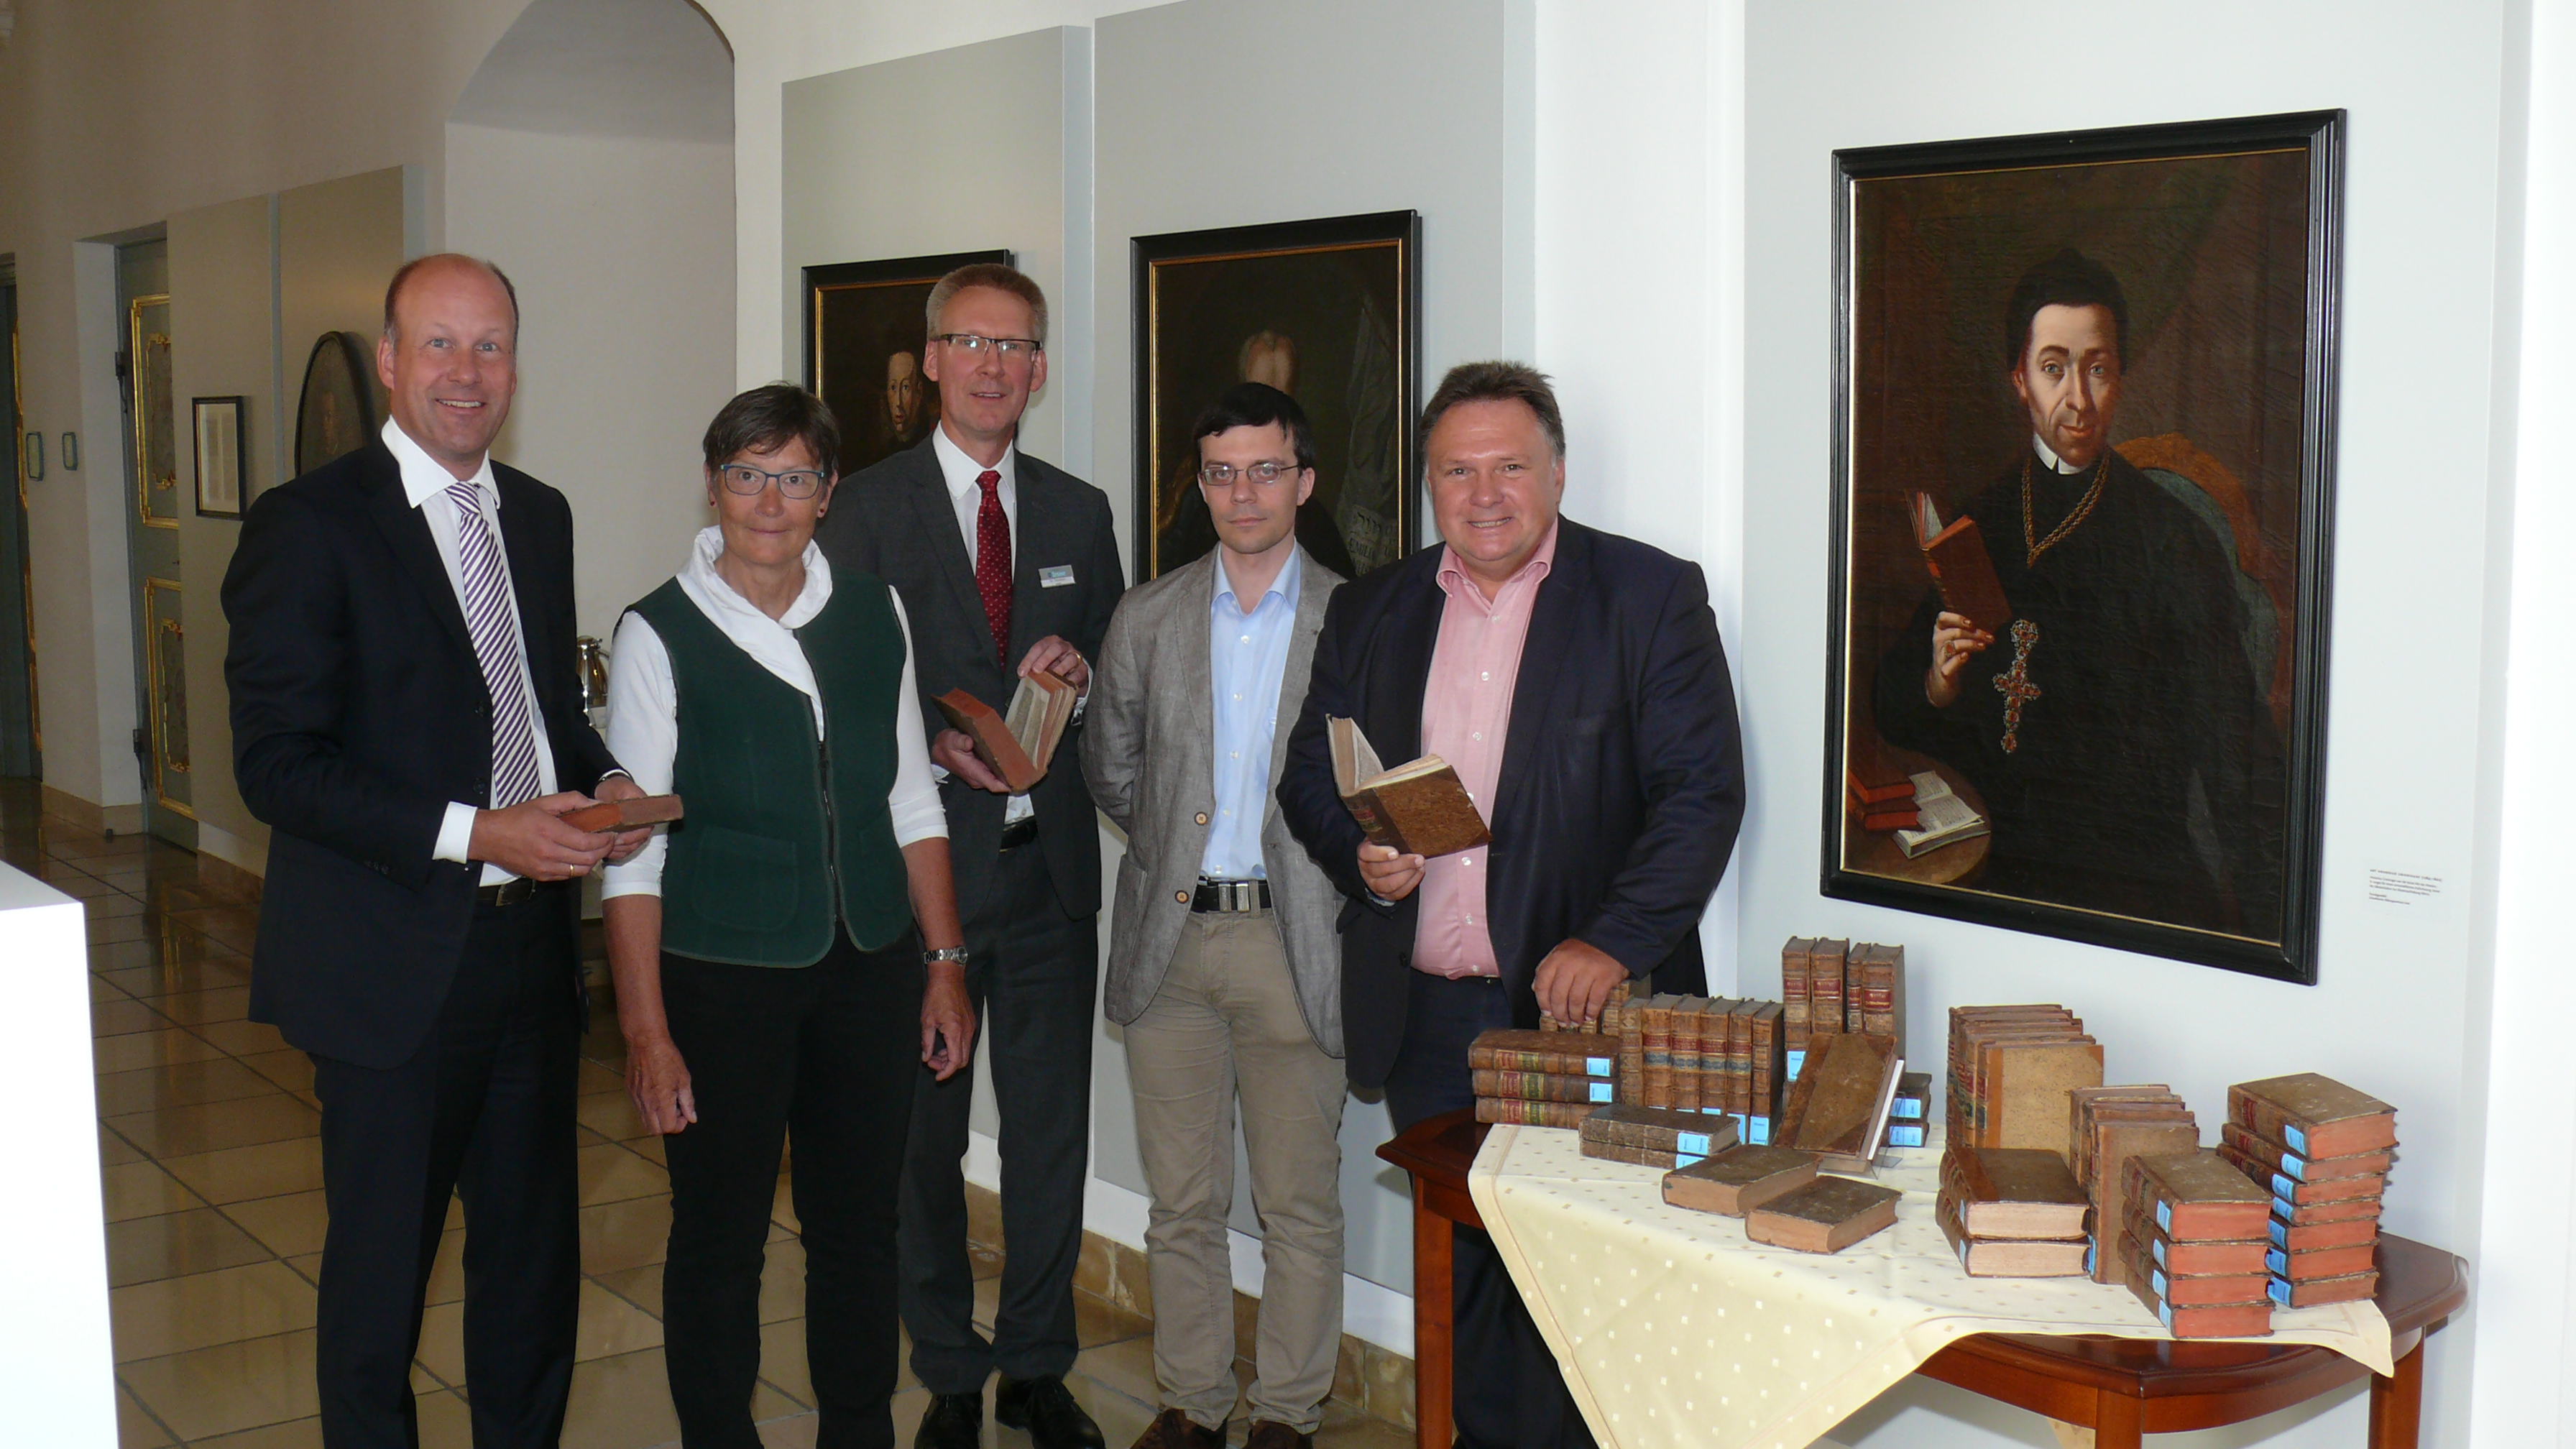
column 1006, row 566
column 1224, row 964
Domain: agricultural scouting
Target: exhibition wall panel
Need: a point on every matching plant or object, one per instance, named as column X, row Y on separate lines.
column 2393, row 1008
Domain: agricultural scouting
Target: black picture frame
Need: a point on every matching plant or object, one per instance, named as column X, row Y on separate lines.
column 1211, row 307
column 338, row 408
column 217, row 425
column 2225, row 237
column 856, row 312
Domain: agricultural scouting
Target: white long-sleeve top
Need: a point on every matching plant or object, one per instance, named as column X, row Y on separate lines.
column 644, row 700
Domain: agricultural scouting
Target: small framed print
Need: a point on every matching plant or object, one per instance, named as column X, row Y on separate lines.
column 218, row 423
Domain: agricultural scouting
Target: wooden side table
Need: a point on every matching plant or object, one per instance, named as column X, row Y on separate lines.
column 2120, row 1388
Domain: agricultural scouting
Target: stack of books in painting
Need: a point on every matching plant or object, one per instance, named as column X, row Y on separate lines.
column 1654, row 1136
column 2012, row 1069
column 2011, row 1212
column 2109, row 1126
column 1541, row 1078
column 1877, row 792
column 1717, row 1057
column 2321, row 1152
column 2192, row 1248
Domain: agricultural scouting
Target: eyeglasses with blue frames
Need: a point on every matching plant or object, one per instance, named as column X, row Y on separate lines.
column 742, row 478
column 1221, row 475
column 1009, row 349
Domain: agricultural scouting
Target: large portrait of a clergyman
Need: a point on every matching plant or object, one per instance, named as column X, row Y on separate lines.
column 2083, row 477
column 1322, row 310
column 864, row 335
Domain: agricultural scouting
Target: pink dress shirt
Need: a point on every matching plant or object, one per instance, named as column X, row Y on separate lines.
column 1466, row 714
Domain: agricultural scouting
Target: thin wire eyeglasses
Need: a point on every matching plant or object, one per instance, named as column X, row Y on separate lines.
column 1009, row 349
column 742, row 478
column 1221, row 475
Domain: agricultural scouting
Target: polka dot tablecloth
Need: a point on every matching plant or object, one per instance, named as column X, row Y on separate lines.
column 1674, row 1329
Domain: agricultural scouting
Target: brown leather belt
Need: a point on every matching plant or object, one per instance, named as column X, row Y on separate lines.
column 510, row 892
column 1231, row 895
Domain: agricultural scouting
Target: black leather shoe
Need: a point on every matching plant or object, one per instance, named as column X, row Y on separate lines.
column 953, row 1421
column 1045, row 1408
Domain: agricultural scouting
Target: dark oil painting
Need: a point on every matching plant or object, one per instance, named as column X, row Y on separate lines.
column 864, row 334
column 2102, row 364
column 1323, row 310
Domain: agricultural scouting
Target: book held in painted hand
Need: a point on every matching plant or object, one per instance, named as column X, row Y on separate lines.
column 1019, row 745
column 1960, row 566
column 1417, row 808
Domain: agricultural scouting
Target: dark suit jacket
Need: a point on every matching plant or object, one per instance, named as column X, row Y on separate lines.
column 358, row 712
column 895, row 520
column 1621, row 788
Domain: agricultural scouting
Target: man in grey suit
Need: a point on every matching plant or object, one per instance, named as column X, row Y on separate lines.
column 1224, row 965
column 1006, row 566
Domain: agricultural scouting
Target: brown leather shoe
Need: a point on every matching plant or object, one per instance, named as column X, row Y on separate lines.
column 1271, row 1434
column 1173, row 1429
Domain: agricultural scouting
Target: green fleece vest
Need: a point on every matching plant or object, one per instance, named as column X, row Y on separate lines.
column 787, row 832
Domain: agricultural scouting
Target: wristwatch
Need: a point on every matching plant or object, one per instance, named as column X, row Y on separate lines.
column 944, row 954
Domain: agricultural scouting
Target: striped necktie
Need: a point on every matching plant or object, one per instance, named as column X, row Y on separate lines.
column 492, row 622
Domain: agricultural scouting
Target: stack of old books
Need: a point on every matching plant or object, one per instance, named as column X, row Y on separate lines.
column 2011, row 1212
column 2321, row 1151
column 1909, row 1117
column 1654, row 1136
column 1834, row 986
column 2192, row 1249
column 1541, row 1079
column 1839, row 1106
column 2012, row 1070
column 1717, row 1057
column 1877, row 792
column 2111, row 1125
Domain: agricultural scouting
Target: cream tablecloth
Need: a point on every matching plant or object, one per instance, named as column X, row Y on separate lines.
column 1674, row 1329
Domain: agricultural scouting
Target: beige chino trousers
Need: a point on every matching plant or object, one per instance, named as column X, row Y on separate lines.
column 1226, row 1025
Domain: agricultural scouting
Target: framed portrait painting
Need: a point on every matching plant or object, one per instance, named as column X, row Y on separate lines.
column 1326, row 311
column 864, row 335
column 2084, row 416
column 218, row 426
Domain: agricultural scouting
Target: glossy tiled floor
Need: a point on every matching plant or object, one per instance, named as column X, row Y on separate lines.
column 207, row 1140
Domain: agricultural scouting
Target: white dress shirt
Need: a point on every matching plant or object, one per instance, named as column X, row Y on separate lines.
column 2049, row 456
column 644, row 700
column 966, row 496
column 425, row 482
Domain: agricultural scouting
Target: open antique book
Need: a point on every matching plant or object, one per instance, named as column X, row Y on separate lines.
column 1419, row 807
column 1018, row 745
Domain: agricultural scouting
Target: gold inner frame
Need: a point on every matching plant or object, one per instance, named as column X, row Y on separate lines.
column 138, row 344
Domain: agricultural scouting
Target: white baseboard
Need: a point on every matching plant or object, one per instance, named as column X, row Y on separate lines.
column 231, row 849
column 1371, row 1312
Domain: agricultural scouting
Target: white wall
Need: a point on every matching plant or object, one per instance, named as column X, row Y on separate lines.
column 622, row 251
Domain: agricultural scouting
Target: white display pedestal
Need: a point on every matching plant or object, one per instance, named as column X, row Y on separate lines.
column 57, row 1362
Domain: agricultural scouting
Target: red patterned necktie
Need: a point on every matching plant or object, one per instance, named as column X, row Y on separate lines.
column 993, row 563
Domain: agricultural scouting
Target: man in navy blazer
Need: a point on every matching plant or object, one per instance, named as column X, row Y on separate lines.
column 1575, row 680
column 407, row 721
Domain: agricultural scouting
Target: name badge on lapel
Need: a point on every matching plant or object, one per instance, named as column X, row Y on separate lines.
column 1055, row 576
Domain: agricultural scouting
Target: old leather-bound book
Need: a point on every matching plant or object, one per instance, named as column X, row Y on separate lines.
column 2278, row 1158
column 1638, row 1156
column 1826, row 1216
column 1020, row 744
column 2193, row 1196
column 1629, row 1124
column 2314, row 1116
column 2302, row 1194
column 2351, row 1288
column 1739, row 1179
column 2114, row 1143
column 2217, row 1320
column 2080, row 1102
column 1836, row 1104
column 1793, row 984
column 2359, row 1209
column 1543, row 1087
column 624, row 814
column 1518, row 1113
column 1955, row 555
column 1567, row 1054
column 2194, row 1258
column 1418, row 807
column 2322, row 1262
column 2003, row 1257
column 2301, row 1238
column 2013, row 1192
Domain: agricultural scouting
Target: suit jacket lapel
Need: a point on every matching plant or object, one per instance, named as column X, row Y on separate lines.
column 1413, row 632
column 936, row 513
column 407, row 534
column 1543, row 653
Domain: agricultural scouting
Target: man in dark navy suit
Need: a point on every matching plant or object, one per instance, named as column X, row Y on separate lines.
column 1575, row 681
column 1007, row 566
column 406, row 721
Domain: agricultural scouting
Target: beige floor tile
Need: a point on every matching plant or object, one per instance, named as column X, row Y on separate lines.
column 77, row 883
column 1098, row 1321
column 442, row 1342
column 195, row 1008
column 988, row 1299
column 445, row 1422
column 447, row 1273
column 610, row 1326
column 290, row 1224
column 123, row 1017
column 655, row 1148
column 114, row 1150
column 640, row 1286
column 185, row 1084
column 307, row 1266
column 625, row 1234
column 987, row 1261
column 142, row 1190
column 235, row 926
column 290, row 1069
column 175, row 1245
column 144, row 969
column 179, row 1315
column 216, row 1126
column 293, row 1434
column 595, row 1078
column 229, row 1387
column 239, row 1174
column 622, row 1402
column 611, row 1115
column 782, row 1205
column 102, row 989
column 1121, row 1417
column 242, row 1038
column 782, row 1281
column 135, row 1428
column 1347, row 1428
column 1126, row 1366
column 113, row 905
column 794, row 1432
column 782, row 1360
column 149, row 1049
column 610, row 1173
column 124, row 928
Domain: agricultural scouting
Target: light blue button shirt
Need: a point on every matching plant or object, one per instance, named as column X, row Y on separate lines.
column 1247, row 655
